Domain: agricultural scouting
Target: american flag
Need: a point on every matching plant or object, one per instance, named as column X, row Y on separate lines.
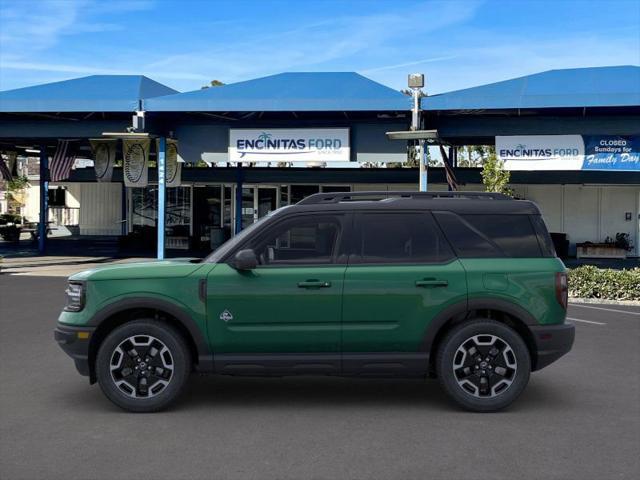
column 62, row 161
column 5, row 172
column 452, row 181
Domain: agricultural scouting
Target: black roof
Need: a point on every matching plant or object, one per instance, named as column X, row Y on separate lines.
column 458, row 202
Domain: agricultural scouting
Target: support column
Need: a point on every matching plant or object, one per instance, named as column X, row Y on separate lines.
column 239, row 180
column 423, row 165
column 44, row 200
column 162, row 183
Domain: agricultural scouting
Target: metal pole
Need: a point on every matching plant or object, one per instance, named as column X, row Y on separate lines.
column 239, row 179
column 420, row 148
column 162, row 183
column 44, row 200
column 423, row 166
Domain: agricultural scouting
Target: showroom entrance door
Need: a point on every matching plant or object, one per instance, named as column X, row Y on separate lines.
column 257, row 202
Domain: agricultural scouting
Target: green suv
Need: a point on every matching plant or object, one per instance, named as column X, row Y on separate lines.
column 464, row 287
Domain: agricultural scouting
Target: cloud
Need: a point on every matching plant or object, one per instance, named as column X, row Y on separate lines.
column 32, row 27
column 409, row 64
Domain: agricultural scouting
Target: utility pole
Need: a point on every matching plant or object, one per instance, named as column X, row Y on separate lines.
column 416, row 83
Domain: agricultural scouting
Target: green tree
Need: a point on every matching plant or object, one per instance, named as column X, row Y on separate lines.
column 494, row 177
column 213, row 83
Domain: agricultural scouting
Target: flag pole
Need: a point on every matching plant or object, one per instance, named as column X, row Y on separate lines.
column 44, row 200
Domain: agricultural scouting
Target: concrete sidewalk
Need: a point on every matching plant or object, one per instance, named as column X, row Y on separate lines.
column 58, row 266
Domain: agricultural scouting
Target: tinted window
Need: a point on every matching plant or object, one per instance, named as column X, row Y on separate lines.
column 400, row 238
column 490, row 235
column 544, row 239
column 304, row 240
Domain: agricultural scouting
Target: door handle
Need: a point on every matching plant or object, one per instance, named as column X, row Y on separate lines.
column 431, row 282
column 314, row 284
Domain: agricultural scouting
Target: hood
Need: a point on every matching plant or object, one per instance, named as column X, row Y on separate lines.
column 174, row 268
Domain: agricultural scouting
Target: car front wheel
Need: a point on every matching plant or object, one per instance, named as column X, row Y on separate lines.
column 142, row 366
column 483, row 365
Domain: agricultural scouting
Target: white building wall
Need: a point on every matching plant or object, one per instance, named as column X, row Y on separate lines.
column 100, row 208
column 587, row 213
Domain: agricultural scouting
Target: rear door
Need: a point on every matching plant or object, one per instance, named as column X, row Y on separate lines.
column 401, row 274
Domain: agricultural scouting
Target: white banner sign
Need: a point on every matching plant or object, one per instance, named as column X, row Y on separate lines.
column 289, row 145
column 104, row 157
column 136, row 162
column 541, row 152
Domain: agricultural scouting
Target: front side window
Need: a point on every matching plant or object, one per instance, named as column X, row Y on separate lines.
column 402, row 237
column 303, row 240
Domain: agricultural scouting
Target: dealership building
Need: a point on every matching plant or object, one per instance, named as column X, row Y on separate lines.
column 571, row 139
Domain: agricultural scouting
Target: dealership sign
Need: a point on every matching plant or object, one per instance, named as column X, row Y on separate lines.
column 541, row 152
column 569, row 152
column 289, row 145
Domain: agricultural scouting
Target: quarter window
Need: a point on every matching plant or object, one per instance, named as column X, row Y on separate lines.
column 478, row 236
column 400, row 238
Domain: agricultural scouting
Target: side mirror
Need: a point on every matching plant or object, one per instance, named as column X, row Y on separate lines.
column 245, row 260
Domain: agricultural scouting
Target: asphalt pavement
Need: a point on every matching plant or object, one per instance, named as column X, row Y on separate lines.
column 578, row 419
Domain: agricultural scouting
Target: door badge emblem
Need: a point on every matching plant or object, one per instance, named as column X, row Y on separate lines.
column 226, row 316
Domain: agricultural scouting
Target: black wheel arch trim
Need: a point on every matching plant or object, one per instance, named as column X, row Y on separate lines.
column 461, row 310
column 204, row 354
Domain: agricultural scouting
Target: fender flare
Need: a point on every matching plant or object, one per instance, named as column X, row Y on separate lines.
column 205, row 356
column 462, row 309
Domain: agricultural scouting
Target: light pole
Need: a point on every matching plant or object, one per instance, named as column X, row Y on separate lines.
column 416, row 83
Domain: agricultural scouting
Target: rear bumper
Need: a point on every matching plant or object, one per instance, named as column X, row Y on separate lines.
column 75, row 345
column 552, row 342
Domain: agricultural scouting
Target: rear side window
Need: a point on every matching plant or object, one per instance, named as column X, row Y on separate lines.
column 403, row 237
column 477, row 236
column 544, row 239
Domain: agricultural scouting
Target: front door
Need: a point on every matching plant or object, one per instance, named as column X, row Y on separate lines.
column 401, row 274
column 257, row 202
column 290, row 304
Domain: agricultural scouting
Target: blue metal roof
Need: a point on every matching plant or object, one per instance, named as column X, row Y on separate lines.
column 288, row 92
column 96, row 93
column 576, row 87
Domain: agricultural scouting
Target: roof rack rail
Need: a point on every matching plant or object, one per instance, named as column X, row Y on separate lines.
column 319, row 198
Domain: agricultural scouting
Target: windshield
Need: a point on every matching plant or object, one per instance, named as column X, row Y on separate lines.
column 226, row 247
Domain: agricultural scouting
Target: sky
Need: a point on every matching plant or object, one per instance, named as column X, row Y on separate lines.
column 185, row 44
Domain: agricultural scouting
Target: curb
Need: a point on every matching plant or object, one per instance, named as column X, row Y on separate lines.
column 602, row 301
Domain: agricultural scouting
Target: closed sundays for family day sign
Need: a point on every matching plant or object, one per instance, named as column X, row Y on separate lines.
column 289, row 145
column 569, row 152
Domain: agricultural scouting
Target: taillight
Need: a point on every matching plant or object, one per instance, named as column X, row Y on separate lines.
column 562, row 289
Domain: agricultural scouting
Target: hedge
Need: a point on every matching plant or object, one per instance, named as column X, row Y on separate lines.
column 588, row 281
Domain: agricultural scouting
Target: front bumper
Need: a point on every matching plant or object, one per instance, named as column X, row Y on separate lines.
column 552, row 342
column 75, row 343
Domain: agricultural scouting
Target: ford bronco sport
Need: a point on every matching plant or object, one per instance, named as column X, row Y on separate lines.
column 464, row 287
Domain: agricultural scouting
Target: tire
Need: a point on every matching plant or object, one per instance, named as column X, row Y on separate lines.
column 148, row 346
column 461, row 369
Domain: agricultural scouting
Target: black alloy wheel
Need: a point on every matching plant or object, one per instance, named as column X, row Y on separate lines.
column 483, row 365
column 142, row 366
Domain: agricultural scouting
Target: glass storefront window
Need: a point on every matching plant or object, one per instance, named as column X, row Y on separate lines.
column 298, row 192
column 144, row 214
column 144, row 211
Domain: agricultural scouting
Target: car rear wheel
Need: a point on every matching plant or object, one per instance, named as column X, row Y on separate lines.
column 483, row 365
column 142, row 366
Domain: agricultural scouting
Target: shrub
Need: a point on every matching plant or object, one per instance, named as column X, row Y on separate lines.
column 588, row 281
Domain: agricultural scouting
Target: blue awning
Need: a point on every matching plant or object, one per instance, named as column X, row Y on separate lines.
column 96, row 93
column 288, row 92
column 577, row 87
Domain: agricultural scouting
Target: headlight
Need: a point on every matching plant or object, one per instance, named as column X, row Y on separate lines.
column 75, row 297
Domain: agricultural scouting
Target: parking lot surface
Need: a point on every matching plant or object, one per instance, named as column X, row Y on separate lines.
column 578, row 418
